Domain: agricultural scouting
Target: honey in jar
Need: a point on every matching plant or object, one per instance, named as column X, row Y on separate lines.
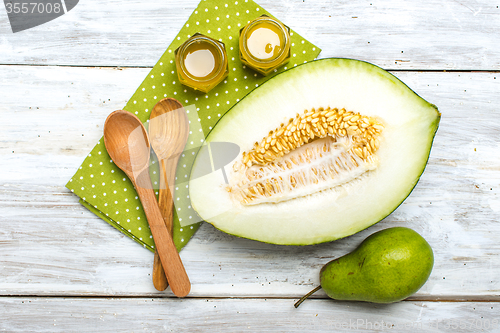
column 201, row 62
column 264, row 44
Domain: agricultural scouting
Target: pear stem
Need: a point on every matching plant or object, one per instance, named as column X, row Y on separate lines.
column 306, row 296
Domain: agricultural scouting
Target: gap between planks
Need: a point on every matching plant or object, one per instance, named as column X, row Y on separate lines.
column 438, row 299
column 151, row 67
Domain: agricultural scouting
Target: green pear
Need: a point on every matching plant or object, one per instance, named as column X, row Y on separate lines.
column 386, row 267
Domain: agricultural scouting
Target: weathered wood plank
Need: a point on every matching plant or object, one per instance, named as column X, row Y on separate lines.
column 241, row 315
column 430, row 34
column 50, row 245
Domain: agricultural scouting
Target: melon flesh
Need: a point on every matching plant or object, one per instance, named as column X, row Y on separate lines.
column 410, row 124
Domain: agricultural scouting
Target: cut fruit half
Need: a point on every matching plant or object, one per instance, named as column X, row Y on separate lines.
column 327, row 149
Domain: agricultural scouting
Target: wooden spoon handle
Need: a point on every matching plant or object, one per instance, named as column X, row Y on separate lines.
column 170, row 259
column 165, row 202
column 159, row 278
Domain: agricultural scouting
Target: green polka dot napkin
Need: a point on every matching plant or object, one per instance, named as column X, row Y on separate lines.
column 106, row 190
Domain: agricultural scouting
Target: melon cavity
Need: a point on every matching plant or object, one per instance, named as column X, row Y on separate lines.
column 328, row 148
column 317, row 150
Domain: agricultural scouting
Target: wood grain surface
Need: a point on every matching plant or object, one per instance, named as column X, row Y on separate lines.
column 408, row 34
column 62, row 269
column 243, row 315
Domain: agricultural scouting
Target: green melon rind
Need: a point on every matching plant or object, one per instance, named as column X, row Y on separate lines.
column 329, row 63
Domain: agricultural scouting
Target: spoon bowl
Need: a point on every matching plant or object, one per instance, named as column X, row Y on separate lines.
column 126, row 141
column 168, row 128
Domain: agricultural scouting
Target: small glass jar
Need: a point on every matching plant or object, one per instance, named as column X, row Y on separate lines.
column 264, row 44
column 201, row 62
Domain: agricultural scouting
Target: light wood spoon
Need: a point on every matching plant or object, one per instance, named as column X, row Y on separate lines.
column 168, row 132
column 127, row 143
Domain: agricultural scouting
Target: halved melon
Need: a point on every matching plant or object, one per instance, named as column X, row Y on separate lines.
column 327, row 149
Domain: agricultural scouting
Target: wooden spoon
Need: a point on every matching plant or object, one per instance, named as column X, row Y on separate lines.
column 127, row 143
column 168, row 132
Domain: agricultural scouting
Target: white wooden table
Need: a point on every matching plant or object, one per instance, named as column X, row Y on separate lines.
column 63, row 269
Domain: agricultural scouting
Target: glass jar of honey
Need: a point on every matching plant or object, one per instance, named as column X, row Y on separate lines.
column 201, row 62
column 264, row 44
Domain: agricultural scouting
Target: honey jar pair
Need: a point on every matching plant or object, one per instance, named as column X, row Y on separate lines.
column 264, row 45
